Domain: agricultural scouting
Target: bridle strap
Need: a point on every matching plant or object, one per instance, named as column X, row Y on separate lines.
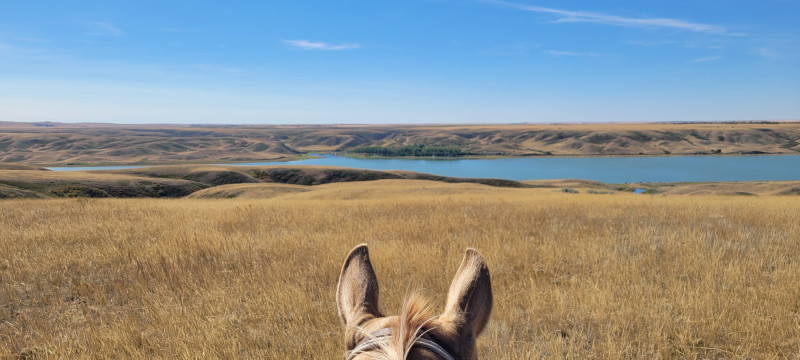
column 372, row 342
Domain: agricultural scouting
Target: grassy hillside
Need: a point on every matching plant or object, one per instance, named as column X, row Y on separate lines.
column 727, row 188
column 66, row 144
column 271, row 181
column 12, row 166
column 378, row 189
column 182, row 180
column 36, row 183
column 575, row 276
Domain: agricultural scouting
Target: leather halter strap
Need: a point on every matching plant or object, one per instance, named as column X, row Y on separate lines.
column 425, row 341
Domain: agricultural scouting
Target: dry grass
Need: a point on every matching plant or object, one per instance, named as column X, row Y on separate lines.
column 574, row 276
column 373, row 190
column 728, row 188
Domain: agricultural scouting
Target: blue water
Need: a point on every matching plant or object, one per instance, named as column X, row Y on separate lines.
column 605, row 169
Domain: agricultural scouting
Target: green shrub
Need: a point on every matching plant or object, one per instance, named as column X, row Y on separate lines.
column 599, row 192
column 72, row 191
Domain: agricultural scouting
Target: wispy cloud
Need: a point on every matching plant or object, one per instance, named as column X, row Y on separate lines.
column 572, row 53
column 520, row 48
column 216, row 68
column 99, row 28
column 315, row 45
column 570, row 16
column 651, row 43
column 15, row 50
column 175, row 30
column 706, row 59
column 765, row 52
column 30, row 39
column 683, row 44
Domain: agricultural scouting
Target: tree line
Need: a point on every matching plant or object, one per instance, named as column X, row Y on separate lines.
column 409, row 150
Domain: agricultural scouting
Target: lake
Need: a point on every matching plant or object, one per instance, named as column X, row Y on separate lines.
column 605, row 169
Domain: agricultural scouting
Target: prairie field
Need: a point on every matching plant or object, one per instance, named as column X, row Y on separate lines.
column 575, row 276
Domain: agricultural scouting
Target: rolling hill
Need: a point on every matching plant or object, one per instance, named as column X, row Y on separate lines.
column 203, row 181
column 88, row 144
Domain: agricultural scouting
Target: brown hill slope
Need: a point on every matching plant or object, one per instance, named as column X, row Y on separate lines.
column 36, row 183
column 64, row 144
column 294, row 175
column 182, row 180
column 377, row 189
column 270, row 181
column 728, row 188
column 249, row 191
column 12, row 192
column 12, row 166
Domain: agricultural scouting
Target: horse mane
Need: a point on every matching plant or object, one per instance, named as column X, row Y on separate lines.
column 413, row 322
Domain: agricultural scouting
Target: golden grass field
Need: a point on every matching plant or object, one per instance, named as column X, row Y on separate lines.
column 575, row 276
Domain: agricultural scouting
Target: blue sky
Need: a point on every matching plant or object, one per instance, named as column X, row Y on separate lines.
column 410, row 61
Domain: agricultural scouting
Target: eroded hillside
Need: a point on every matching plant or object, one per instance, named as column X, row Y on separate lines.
column 73, row 144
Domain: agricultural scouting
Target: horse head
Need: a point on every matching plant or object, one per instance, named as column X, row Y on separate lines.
column 414, row 334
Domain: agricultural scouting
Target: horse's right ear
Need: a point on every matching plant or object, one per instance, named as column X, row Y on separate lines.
column 357, row 291
column 469, row 300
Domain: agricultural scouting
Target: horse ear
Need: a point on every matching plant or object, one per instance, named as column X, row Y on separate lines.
column 469, row 300
column 357, row 291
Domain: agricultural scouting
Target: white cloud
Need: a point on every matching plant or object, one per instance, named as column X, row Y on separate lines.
column 571, row 53
column 568, row 16
column 99, row 28
column 315, row 45
column 707, row 59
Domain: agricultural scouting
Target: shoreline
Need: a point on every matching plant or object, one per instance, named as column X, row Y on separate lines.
column 183, row 180
column 321, row 154
column 490, row 157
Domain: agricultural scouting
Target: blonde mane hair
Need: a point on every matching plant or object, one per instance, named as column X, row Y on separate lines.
column 414, row 321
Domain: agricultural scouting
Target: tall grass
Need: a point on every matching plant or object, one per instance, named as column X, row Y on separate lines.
column 574, row 276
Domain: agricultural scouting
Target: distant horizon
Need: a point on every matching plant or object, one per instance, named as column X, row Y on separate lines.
column 677, row 122
column 411, row 62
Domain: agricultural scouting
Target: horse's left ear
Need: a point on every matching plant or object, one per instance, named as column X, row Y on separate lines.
column 357, row 291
